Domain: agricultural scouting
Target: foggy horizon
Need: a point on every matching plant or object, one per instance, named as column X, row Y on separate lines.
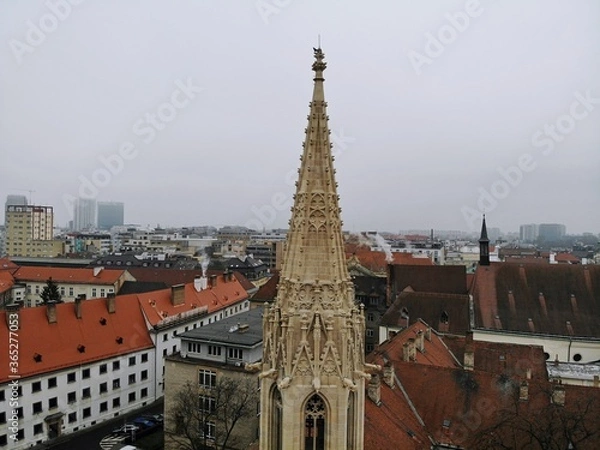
column 193, row 113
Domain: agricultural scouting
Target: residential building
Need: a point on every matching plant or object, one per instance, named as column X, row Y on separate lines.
column 98, row 366
column 551, row 232
column 29, row 231
column 72, row 283
column 207, row 355
column 251, row 268
column 110, row 214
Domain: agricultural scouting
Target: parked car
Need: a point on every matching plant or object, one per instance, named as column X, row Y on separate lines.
column 144, row 423
column 126, row 429
column 156, row 418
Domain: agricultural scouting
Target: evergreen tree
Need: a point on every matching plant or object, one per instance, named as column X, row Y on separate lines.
column 50, row 293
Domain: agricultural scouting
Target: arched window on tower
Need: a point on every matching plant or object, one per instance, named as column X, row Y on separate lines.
column 276, row 419
column 315, row 415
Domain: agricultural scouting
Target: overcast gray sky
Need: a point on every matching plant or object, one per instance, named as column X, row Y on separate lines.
column 199, row 107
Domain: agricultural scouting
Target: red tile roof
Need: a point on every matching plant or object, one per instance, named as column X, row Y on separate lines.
column 67, row 275
column 268, row 291
column 158, row 307
column 172, row 277
column 377, row 262
column 7, row 264
column 71, row 341
column 6, row 281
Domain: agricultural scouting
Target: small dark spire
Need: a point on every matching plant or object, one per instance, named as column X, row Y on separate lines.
column 484, row 246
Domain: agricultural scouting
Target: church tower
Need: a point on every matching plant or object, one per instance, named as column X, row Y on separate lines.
column 484, row 245
column 313, row 370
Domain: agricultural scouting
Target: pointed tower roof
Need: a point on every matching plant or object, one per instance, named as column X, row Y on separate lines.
column 484, row 236
column 314, row 250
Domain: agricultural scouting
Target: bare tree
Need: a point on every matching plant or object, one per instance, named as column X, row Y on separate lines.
column 544, row 421
column 206, row 418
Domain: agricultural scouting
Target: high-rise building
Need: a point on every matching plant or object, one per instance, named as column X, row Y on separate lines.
column 528, row 232
column 552, row 231
column 16, row 200
column 29, row 231
column 313, row 369
column 110, row 214
column 84, row 214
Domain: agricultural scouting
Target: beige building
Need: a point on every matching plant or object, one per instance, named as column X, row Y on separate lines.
column 29, row 231
column 209, row 355
column 313, row 370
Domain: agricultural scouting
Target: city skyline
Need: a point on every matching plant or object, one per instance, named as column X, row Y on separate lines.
column 440, row 112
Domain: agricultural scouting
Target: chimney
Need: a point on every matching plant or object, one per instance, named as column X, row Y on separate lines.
column 212, row 281
column 511, row 303
column 97, row 270
column 374, row 389
column 542, row 301
column 388, row 374
column 428, row 334
column 78, row 301
column 524, row 391
column 596, row 381
column 420, row 341
column 178, row 294
column 390, row 288
column 469, row 356
column 51, row 312
column 110, row 303
column 558, row 395
column 531, row 325
column 574, row 304
column 412, row 355
column 13, row 317
column 405, row 352
column 230, row 276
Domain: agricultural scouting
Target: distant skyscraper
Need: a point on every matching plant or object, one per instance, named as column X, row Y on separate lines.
column 29, row 231
column 16, row 200
column 84, row 214
column 552, row 231
column 528, row 232
column 110, row 214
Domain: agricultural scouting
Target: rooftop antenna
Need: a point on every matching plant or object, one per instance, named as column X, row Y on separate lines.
column 319, row 40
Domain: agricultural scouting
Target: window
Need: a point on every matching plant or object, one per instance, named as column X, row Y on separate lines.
column 102, row 292
column 103, row 388
column 86, row 393
column 72, row 417
column 71, row 292
column 373, row 301
column 103, row 369
column 52, row 403
column 117, row 402
column 38, row 428
column 370, row 317
column 214, row 350
column 144, row 374
column 116, row 365
column 2, row 395
column 36, row 386
column 165, row 337
column 164, row 352
column 20, row 412
column 207, row 404
column 93, row 292
column 174, row 349
column 87, row 412
column 51, row 382
column 132, row 378
column 71, row 397
column 131, row 397
column 62, row 291
column 116, row 383
column 85, row 373
column 193, row 347
column 103, row 407
column 235, row 353
column 71, row 377
column 209, row 430
column 2, row 417
column 37, row 407
column 207, row 379
column 3, row 440
column 132, row 360
column 144, row 357
column 144, row 393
